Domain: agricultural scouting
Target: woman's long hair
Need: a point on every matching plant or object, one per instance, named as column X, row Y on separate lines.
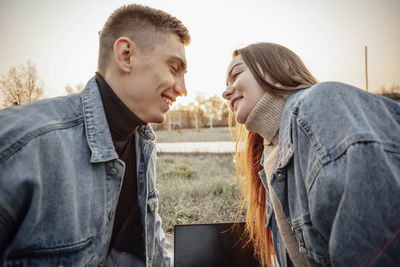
column 286, row 68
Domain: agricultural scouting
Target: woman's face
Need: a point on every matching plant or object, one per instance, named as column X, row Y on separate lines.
column 243, row 91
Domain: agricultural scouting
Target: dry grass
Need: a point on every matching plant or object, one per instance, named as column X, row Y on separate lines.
column 197, row 188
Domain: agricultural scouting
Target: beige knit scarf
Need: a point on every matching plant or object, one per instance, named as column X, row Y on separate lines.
column 265, row 120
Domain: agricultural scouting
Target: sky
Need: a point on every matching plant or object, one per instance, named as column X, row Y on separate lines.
column 61, row 38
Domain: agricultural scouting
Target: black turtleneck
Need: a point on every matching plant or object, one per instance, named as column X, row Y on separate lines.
column 127, row 232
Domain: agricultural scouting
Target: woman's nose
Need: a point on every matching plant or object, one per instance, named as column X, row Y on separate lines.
column 227, row 93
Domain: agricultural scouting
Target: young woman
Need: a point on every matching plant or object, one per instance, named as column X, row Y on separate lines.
column 319, row 163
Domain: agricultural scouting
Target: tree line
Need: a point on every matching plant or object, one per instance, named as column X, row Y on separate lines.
column 22, row 85
column 203, row 112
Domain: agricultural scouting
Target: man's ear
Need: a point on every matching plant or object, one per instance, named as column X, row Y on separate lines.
column 124, row 49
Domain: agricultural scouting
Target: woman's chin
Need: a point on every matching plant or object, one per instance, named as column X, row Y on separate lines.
column 240, row 119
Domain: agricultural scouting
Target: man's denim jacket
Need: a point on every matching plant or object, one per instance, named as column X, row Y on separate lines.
column 60, row 178
column 338, row 177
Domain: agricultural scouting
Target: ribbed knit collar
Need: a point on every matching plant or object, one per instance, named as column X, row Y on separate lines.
column 265, row 117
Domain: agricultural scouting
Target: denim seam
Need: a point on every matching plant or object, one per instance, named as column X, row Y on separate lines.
column 316, row 148
column 314, row 144
column 340, row 149
column 6, row 219
column 59, row 250
column 304, row 219
column 8, row 152
column 307, row 250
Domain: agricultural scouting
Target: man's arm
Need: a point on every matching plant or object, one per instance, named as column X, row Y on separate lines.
column 161, row 257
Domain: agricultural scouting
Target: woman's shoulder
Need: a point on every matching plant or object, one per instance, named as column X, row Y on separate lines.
column 330, row 92
column 340, row 98
column 331, row 113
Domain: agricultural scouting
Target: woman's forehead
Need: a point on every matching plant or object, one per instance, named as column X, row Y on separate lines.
column 238, row 60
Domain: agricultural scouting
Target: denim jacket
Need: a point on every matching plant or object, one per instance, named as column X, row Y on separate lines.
column 338, row 177
column 60, row 179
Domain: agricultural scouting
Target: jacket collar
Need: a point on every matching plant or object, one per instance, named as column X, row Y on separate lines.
column 97, row 130
column 289, row 113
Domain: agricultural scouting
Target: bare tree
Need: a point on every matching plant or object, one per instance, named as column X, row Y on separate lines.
column 78, row 88
column 21, row 85
column 394, row 88
column 392, row 92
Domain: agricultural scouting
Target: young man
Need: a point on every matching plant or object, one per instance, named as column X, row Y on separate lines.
column 77, row 179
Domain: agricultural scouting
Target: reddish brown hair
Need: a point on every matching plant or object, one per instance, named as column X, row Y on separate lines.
column 287, row 69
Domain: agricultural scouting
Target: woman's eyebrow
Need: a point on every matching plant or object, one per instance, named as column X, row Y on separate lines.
column 230, row 72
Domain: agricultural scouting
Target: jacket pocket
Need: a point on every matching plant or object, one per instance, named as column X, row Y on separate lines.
column 77, row 254
column 311, row 243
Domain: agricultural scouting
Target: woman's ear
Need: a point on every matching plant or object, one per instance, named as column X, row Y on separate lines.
column 124, row 49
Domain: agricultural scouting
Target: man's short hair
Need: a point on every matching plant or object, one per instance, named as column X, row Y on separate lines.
column 143, row 25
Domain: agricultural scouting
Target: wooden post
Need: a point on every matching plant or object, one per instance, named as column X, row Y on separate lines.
column 366, row 68
column 195, row 120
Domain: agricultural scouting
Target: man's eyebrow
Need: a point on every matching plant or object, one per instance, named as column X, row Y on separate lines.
column 230, row 72
column 181, row 62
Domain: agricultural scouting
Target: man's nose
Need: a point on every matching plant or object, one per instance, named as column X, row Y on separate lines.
column 227, row 93
column 180, row 87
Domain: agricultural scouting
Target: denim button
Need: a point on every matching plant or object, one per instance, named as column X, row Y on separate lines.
column 112, row 171
column 281, row 177
column 111, row 215
column 60, row 264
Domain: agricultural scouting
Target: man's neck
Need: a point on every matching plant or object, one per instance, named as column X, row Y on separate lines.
column 121, row 120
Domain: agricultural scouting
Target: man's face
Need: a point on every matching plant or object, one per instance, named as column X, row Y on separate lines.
column 156, row 79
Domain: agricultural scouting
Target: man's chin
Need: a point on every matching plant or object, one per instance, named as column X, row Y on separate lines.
column 159, row 119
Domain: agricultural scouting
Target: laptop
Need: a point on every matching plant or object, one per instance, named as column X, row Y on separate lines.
column 212, row 245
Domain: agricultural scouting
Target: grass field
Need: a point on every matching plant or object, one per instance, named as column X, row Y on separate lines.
column 193, row 135
column 197, row 188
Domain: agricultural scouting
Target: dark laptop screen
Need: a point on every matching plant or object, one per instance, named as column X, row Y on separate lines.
column 209, row 245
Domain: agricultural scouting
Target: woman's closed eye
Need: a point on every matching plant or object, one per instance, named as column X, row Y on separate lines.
column 235, row 75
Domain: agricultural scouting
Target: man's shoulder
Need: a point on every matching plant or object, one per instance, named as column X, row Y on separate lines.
column 20, row 124
column 43, row 112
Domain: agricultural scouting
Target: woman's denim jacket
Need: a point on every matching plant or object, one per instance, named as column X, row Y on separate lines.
column 60, row 178
column 338, row 177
